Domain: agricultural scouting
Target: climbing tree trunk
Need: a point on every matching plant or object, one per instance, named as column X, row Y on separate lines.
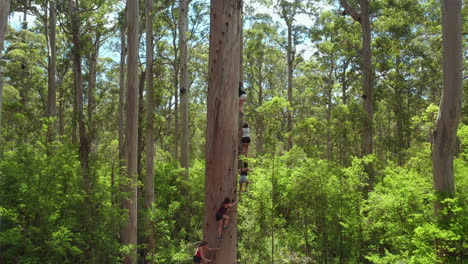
column 184, row 87
column 129, row 231
column 450, row 106
column 52, row 69
column 222, row 131
column 149, row 179
column 4, row 12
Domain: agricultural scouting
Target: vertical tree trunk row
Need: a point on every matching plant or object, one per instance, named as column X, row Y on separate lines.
column 222, row 131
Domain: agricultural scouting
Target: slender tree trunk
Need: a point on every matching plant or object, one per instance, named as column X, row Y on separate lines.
column 184, row 87
column 260, row 123
column 290, row 75
column 176, row 95
column 122, row 91
column 4, row 12
column 222, row 131
column 52, row 69
column 93, row 61
column 141, row 120
column 149, row 179
column 61, row 110
column 450, row 106
column 328, row 107
column 129, row 232
column 344, row 83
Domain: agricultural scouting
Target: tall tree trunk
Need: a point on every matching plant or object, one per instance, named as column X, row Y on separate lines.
column 4, row 12
column 328, row 107
column 84, row 142
column 290, row 87
column 176, row 95
column 93, row 61
column 52, row 69
column 184, row 87
column 141, row 121
column 450, row 106
column 367, row 141
column 129, row 232
column 78, row 98
column 149, row 179
column 122, row 91
column 222, row 131
column 367, row 91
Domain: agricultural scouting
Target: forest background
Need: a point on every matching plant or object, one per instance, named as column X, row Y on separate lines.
column 316, row 195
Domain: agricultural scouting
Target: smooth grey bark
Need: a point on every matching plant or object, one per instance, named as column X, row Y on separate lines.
column 4, row 12
column 52, row 70
column 149, row 179
column 129, row 231
column 448, row 118
column 184, row 88
column 222, row 131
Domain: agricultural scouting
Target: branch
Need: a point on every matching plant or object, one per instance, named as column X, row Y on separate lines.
column 349, row 10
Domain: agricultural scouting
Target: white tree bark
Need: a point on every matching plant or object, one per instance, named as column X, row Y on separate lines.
column 222, row 131
column 129, row 234
column 451, row 102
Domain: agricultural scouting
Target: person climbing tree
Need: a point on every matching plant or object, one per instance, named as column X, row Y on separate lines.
column 242, row 98
column 245, row 139
column 221, row 216
column 199, row 256
column 243, row 178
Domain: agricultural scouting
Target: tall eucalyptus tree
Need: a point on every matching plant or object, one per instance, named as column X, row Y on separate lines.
column 222, row 118
column 129, row 231
column 445, row 134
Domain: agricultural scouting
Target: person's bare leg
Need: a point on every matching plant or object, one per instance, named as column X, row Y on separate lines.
column 246, row 186
column 241, row 103
column 220, row 228
column 225, row 220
